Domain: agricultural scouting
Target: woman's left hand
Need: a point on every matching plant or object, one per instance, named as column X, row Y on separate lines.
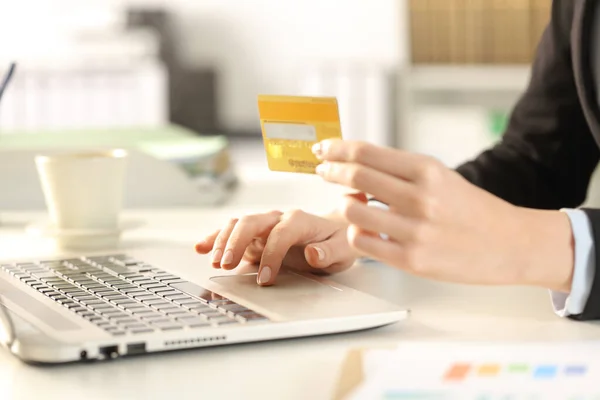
column 441, row 226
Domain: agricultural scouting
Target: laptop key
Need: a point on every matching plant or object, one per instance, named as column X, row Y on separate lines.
column 44, row 275
column 91, row 303
column 102, row 306
column 202, row 309
column 253, row 317
column 144, row 312
column 145, row 296
column 150, row 317
column 178, row 313
column 124, row 286
column 142, row 330
column 134, row 306
column 135, row 326
column 166, row 326
column 165, row 307
column 219, row 319
column 151, row 302
column 170, row 291
column 87, row 297
column 111, row 311
column 109, row 295
column 227, row 322
column 177, row 296
column 192, row 320
column 101, row 291
column 233, row 307
column 67, row 291
column 125, row 321
column 212, row 314
column 160, row 290
column 113, row 316
column 189, row 302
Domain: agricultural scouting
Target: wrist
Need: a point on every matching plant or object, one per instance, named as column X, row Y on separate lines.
column 546, row 249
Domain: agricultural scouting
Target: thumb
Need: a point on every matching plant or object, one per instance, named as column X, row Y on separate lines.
column 334, row 251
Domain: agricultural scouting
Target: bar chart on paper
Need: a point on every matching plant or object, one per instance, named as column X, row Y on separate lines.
column 435, row 371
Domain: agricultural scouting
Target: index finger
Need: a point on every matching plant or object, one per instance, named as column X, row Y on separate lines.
column 402, row 164
column 289, row 232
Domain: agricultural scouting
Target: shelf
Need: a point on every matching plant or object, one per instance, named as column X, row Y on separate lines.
column 465, row 78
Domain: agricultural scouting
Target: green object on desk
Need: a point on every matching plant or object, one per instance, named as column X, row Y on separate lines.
column 498, row 121
column 201, row 157
column 169, row 142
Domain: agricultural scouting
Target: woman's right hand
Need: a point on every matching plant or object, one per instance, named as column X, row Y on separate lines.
column 294, row 239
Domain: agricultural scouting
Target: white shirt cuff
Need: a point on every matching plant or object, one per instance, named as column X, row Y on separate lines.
column 573, row 303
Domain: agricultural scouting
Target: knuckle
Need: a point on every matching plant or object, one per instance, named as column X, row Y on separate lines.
column 356, row 176
column 427, row 207
column 246, row 220
column 293, row 215
column 233, row 221
column 413, row 259
column 430, row 172
column 420, row 233
column 352, row 238
column 350, row 210
column 360, row 152
column 275, row 213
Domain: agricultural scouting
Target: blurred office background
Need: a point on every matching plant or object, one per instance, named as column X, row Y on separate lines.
column 433, row 76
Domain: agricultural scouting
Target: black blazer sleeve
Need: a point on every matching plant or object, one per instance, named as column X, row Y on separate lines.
column 548, row 154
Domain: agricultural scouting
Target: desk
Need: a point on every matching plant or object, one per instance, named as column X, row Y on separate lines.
column 291, row 369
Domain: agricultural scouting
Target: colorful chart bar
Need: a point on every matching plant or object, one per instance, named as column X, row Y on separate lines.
column 488, row 370
column 459, row 372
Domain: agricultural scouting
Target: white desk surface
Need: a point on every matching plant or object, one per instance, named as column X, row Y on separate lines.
column 304, row 368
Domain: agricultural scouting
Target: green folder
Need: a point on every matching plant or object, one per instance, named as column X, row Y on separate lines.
column 196, row 154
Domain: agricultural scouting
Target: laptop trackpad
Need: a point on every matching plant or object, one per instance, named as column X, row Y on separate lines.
column 292, row 296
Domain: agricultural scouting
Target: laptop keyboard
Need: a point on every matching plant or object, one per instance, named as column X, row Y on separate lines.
column 126, row 296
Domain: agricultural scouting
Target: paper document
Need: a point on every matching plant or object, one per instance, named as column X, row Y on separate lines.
column 523, row 371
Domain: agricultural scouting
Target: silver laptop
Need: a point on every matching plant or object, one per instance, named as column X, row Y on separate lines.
column 105, row 306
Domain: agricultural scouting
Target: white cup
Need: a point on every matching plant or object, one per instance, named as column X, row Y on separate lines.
column 83, row 190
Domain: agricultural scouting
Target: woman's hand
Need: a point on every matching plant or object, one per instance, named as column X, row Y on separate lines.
column 441, row 226
column 293, row 239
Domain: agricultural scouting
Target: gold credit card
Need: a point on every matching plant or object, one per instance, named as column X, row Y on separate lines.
column 291, row 125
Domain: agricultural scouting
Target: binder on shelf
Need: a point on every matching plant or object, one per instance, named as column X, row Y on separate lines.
column 520, row 36
column 419, row 34
column 539, row 19
column 474, row 31
column 458, row 38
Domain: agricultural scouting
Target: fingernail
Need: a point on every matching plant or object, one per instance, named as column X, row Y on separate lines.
column 316, row 149
column 227, row 257
column 320, row 253
column 264, row 275
column 322, row 169
column 216, row 255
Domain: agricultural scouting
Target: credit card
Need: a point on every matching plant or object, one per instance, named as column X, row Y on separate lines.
column 291, row 125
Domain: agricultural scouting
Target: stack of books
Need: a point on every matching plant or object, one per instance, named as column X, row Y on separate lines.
column 476, row 31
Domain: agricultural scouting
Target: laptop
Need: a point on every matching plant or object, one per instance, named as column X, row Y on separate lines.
column 103, row 306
